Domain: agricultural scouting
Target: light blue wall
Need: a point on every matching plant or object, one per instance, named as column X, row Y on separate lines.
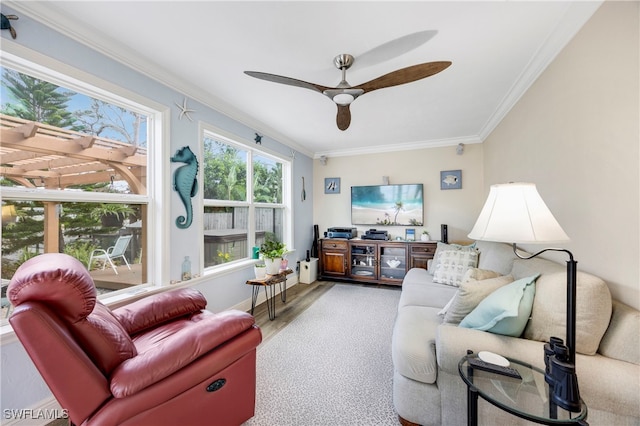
column 21, row 386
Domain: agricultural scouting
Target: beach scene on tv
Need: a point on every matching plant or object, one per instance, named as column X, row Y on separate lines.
column 388, row 205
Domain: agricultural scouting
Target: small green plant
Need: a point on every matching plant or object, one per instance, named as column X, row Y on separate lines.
column 81, row 250
column 272, row 248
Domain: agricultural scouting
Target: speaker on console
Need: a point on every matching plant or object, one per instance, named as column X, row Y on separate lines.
column 444, row 233
column 314, row 244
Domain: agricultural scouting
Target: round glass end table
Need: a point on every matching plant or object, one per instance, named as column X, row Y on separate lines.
column 526, row 397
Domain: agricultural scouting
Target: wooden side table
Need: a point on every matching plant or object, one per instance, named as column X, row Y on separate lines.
column 269, row 290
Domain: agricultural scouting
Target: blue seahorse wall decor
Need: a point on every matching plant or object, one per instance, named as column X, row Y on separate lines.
column 185, row 183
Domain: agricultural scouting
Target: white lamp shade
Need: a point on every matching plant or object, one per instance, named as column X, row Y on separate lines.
column 515, row 213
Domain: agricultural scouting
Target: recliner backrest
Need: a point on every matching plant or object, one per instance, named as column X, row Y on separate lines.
column 63, row 284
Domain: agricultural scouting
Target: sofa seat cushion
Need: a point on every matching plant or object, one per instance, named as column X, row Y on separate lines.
column 549, row 318
column 414, row 343
column 418, row 289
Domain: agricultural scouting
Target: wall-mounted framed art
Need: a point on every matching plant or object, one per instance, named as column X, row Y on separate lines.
column 451, row 179
column 332, row 185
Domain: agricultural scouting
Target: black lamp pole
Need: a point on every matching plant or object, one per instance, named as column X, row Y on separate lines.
column 562, row 376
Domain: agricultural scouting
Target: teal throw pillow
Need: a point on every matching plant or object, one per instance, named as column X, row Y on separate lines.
column 506, row 310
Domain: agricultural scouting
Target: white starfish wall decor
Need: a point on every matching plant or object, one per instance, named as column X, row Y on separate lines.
column 184, row 110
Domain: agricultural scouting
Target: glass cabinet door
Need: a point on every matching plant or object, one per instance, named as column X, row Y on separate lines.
column 363, row 261
column 393, row 262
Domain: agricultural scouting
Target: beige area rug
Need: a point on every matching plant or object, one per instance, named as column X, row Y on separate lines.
column 332, row 365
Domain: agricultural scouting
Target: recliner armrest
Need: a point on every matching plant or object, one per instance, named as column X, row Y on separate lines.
column 167, row 349
column 159, row 308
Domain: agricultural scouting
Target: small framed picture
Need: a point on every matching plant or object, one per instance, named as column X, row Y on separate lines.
column 451, row 179
column 332, row 185
column 410, row 235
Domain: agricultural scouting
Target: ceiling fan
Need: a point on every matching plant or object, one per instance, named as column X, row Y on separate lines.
column 343, row 94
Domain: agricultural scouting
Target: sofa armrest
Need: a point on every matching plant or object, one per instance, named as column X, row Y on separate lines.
column 170, row 349
column 608, row 384
column 452, row 343
column 159, row 308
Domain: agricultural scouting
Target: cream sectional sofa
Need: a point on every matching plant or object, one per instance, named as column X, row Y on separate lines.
column 427, row 388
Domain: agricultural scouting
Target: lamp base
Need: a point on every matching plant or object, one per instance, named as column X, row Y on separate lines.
column 566, row 393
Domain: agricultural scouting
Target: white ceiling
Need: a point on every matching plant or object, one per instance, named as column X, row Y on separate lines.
column 201, row 48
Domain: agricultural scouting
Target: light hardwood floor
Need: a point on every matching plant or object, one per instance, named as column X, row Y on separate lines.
column 299, row 298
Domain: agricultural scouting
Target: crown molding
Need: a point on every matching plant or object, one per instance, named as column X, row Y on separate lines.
column 407, row 146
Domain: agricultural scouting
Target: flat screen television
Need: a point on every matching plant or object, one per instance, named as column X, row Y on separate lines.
column 387, row 205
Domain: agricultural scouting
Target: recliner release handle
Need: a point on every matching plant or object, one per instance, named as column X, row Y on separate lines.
column 217, row 385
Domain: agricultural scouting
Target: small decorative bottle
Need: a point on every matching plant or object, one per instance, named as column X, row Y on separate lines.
column 186, row 269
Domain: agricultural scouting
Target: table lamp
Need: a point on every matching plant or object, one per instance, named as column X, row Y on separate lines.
column 515, row 213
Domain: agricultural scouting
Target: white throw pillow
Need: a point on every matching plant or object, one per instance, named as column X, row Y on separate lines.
column 453, row 264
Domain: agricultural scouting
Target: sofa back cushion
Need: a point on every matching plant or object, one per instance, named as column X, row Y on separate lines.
column 622, row 338
column 549, row 318
column 496, row 257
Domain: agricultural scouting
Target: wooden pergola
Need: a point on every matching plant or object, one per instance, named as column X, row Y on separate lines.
column 38, row 155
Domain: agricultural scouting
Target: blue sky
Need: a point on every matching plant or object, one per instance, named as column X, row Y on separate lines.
column 79, row 102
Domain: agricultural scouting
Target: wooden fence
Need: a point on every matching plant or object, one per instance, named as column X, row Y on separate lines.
column 225, row 233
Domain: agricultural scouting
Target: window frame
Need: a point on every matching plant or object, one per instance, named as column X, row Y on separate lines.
column 27, row 61
column 213, row 132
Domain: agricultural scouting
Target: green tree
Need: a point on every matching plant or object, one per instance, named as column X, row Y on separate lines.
column 37, row 100
column 267, row 183
column 225, row 174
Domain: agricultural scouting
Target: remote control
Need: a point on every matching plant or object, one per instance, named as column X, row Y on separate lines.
column 493, row 368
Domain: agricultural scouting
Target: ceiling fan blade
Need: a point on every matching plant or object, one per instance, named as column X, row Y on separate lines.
column 404, row 75
column 344, row 117
column 287, row 80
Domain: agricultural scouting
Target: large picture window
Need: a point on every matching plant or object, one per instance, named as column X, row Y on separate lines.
column 74, row 169
column 244, row 199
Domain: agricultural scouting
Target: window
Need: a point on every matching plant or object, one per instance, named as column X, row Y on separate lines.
column 244, row 198
column 72, row 158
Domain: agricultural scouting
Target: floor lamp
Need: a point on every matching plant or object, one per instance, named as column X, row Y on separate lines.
column 515, row 213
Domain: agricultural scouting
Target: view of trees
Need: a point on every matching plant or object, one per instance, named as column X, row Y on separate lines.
column 224, row 168
column 225, row 174
column 37, row 100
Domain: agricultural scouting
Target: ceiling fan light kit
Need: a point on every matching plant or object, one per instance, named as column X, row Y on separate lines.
column 344, row 94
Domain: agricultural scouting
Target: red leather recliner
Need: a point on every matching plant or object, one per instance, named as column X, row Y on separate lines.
column 162, row 360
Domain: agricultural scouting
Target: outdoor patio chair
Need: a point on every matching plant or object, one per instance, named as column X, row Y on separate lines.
column 114, row 252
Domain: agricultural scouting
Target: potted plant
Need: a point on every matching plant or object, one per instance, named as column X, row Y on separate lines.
column 272, row 252
column 425, row 236
column 260, row 269
column 111, row 214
